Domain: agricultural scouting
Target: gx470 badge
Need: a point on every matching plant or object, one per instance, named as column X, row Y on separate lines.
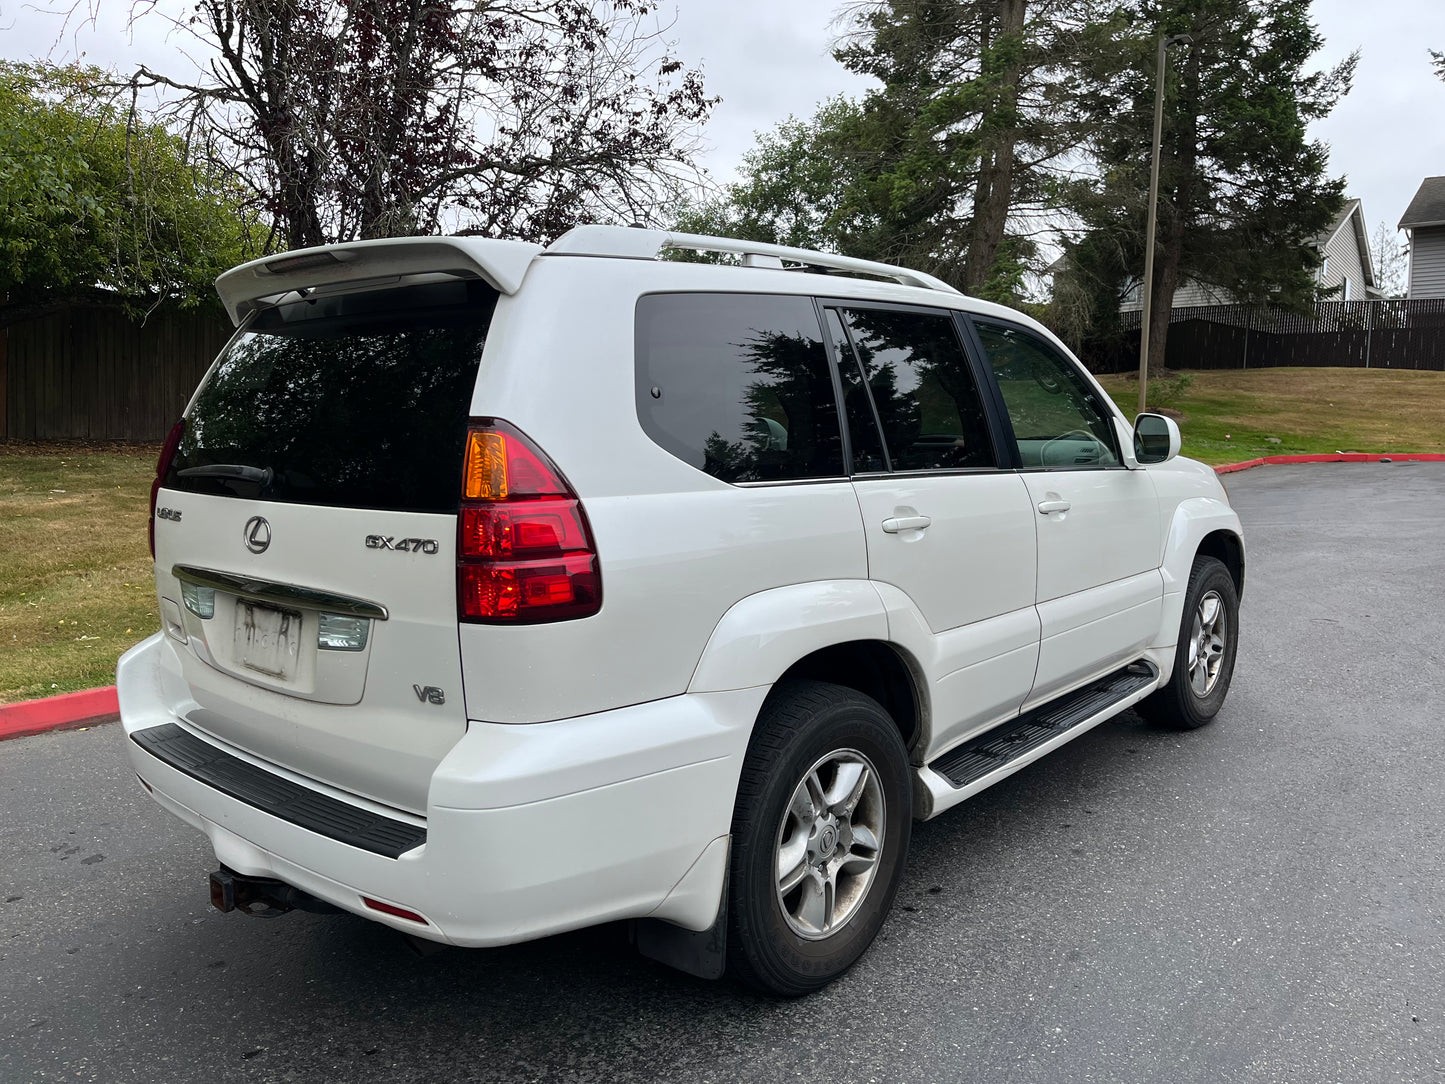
column 405, row 545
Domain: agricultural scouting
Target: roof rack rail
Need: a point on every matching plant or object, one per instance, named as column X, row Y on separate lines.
column 645, row 244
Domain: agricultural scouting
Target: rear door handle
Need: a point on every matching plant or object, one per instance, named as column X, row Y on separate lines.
column 906, row 523
column 1045, row 507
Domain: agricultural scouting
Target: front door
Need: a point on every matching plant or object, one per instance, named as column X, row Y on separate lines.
column 1099, row 590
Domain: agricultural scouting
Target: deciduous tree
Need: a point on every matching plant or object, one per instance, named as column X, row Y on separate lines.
column 1391, row 260
column 372, row 118
column 99, row 204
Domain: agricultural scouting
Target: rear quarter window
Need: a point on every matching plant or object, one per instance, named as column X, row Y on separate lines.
column 738, row 385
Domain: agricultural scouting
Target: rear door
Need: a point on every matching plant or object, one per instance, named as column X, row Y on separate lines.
column 945, row 522
column 306, row 536
column 1099, row 588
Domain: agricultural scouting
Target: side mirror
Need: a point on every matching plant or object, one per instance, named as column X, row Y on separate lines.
column 1156, row 438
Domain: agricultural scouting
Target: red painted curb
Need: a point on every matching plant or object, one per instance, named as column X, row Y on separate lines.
column 67, row 711
column 95, row 706
column 1335, row 457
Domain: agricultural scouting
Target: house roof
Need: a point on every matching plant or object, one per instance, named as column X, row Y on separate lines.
column 1353, row 211
column 1428, row 206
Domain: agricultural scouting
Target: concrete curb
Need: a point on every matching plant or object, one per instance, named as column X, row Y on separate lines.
column 91, row 707
column 96, row 706
column 1336, row 457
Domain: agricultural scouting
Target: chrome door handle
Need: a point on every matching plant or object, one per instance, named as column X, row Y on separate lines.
column 1045, row 507
column 906, row 523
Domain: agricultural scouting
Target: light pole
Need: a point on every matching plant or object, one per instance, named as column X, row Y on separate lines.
column 1147, row 293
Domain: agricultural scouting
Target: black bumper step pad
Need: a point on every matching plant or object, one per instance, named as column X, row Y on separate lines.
column 990, row 751
column 279, row 797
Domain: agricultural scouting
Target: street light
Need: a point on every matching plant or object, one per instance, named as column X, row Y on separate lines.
column 1148, row 288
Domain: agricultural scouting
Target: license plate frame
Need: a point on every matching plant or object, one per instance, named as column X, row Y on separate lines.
column 268, row 639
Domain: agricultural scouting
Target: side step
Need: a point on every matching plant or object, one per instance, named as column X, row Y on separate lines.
column 1051, row 724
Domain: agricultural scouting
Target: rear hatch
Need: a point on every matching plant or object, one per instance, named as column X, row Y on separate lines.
column 305, row 535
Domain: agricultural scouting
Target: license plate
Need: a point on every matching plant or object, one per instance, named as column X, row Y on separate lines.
column 267, row 639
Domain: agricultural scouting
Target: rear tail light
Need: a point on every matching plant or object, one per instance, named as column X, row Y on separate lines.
column 163, row 465
column 525, row 554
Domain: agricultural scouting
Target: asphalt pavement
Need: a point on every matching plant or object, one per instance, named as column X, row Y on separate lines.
column 1260, row 900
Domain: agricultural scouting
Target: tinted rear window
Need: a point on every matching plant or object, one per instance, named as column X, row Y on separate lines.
column 357, row 401
column 738, row 385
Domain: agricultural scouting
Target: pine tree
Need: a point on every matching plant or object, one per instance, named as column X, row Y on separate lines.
column 948, row 163
column 1242, row 187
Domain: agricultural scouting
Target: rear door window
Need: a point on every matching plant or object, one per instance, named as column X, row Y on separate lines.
column 738, row 385
column 355, row 400
column 923, row 389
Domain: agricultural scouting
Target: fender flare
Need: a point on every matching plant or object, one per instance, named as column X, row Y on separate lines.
column 764, row 634
column 1194, row 520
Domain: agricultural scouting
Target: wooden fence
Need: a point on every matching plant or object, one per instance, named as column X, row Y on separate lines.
column 93, row 373
column 1347, row 334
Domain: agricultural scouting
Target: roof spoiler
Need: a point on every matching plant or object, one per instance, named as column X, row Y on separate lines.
column 501, row 264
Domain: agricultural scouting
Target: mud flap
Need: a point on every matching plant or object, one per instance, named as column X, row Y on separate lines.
column 703, row 953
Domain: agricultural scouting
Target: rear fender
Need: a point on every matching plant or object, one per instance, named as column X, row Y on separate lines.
column 762, row 635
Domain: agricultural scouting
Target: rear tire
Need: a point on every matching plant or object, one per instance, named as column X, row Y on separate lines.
column 826, row 792
column 1204, row 659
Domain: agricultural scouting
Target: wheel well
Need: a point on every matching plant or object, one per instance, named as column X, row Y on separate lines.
column 1224, row 546
column 873, row 668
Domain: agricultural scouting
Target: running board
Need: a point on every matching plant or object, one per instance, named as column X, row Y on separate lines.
column 981, row 762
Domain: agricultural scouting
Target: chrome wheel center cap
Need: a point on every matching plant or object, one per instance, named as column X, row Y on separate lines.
column 827, row 842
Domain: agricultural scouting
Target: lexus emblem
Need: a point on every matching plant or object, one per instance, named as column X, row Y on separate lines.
column 257, row 534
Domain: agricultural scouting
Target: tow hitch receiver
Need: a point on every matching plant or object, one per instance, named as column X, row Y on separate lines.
column 262, row 897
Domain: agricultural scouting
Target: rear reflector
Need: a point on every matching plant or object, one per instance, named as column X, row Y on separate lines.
column 388, row 909
column 163, row 465
column 524, row 550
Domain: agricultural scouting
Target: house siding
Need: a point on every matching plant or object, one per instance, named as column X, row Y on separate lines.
column 1427, row 262
column 1186, row 294
column 1346, row 264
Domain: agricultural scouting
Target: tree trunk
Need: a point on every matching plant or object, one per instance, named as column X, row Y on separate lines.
column 993, row 192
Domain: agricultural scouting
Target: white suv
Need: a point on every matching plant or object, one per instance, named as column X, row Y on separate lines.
column 509, row 590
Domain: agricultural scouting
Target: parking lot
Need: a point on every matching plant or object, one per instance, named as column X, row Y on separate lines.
column 1260, row 900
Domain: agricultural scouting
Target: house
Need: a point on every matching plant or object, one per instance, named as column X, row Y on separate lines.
column 1346, row 272
column 1425, row 221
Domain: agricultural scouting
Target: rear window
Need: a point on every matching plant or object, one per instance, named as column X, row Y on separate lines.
column 738, row 385
column 357, row 400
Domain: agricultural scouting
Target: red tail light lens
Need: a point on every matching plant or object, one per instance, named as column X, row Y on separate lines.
column 524, row 551
column 163, row 464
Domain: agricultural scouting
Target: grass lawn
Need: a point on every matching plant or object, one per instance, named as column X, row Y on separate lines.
column 1230, row 415
column 76, row 587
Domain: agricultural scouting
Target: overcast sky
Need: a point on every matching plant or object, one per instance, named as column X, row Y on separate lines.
column 772, row 58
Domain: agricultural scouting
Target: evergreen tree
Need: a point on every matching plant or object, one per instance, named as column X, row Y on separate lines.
column 978, row 107
column 1242, row 188
column 948, row 163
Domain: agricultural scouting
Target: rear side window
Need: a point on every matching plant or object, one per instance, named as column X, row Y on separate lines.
column 357, row 401
column 923, row 388
column 738, row 385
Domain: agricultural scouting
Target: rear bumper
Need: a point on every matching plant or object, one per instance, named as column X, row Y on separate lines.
column 531, row 829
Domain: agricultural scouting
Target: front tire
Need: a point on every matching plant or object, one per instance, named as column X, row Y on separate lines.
column 820, row 832
column 1204, row 659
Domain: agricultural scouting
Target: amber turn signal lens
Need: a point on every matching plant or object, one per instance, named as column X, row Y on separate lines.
column 486, row 468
